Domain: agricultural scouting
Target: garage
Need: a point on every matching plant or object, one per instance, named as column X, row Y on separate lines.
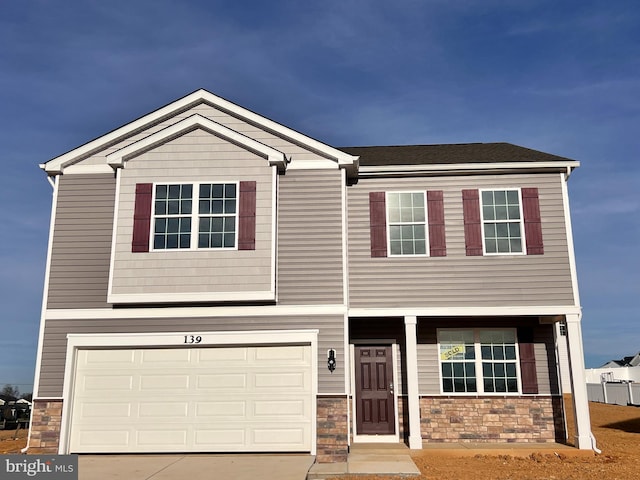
column 251, row 398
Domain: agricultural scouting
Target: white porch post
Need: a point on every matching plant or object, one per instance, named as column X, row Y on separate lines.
column 578, row 383
column 413, row 394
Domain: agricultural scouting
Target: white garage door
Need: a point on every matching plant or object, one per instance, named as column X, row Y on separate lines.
column 231, row 399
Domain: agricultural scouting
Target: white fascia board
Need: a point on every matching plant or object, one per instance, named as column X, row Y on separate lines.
column 176, row 339
column 466, row 311
column 117, row 158
column 194, row 312
column 383, row 170
column 57, row 164
column 253, row 296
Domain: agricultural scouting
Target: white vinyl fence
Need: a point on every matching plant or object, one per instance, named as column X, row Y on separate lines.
column 615, row 393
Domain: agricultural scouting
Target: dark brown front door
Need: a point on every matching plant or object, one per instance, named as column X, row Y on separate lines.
column 375, row 414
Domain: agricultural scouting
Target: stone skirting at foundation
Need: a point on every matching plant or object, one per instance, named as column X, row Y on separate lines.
column 492, row 419
column 46, row 416
column 333, row 430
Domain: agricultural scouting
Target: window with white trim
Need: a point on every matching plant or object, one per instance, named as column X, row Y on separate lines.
column 407, row 223
column 478, row 361
column 502, row 224
column 181, row 221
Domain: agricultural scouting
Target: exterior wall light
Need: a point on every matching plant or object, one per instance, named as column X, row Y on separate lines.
column 331, row 360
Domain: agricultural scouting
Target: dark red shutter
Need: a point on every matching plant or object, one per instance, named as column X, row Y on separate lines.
column 472, row 228
column 142, row 217
column 247, row 216
column 435, row 211
column 378, row 224
column 527, row 361
column 532, row 223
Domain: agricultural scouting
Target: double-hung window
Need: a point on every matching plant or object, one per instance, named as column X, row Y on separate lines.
column 195, row 215
column 478, row 361
column 502, row 223
column 407, row 223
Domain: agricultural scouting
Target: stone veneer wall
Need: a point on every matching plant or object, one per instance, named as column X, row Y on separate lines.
column 492, row 419
column 46, row 416
column 333, row 430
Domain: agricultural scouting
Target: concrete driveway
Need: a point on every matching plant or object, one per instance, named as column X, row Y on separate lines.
column 194, row 467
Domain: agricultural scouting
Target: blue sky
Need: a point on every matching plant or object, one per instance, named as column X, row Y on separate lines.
column 557, row 76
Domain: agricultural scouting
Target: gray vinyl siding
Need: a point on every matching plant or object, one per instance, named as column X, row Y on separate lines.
column 286, row 146
column 55, row 340
column 309, row 237
column 428, row 364
column 547, row 370
column 194, row 157
column 457, row 279
column 81, row 248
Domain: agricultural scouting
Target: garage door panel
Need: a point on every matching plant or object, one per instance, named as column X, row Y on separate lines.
column 107, row 382
column 223, row 356
column 166, row 439
column 288, row 409
column 107, row 358
column 261, row 400
column 222, row 381
column 157, row 357
column 223, row 409
column 107, row 411
column 163, row 410
column 164, row 383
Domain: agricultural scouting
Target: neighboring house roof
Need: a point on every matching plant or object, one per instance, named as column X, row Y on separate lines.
column 7, row 398
column 629, row 361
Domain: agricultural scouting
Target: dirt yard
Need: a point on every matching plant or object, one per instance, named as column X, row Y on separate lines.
column 12, row 441
column 617, row 430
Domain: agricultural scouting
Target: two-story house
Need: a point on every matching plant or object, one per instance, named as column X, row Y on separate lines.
column 218, row 282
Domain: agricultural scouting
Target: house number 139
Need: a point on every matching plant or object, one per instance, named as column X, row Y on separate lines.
column 192, row 339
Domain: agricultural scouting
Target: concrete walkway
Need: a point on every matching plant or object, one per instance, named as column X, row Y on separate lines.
column 193, row 467
column 372, row 459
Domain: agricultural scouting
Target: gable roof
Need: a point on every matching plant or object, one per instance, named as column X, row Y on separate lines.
column 458, row 157
column 275, row 157
column 57, row 165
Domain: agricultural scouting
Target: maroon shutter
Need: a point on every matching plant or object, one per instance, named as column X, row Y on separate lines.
column 532, row 223
column 527, row 361
column 247, row 216
column 472, row 228
column 378, row 224
column 435, row 211
column 142, row 217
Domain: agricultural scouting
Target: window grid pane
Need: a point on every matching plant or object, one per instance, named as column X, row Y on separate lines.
column 217, row 215
column 502, row 222
column 499, row 361
column 172, row 210
column 407, row 228
column 457, row 355
column 494, row 354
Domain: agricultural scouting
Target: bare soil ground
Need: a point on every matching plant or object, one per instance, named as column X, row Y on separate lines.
column 12, row 441
column 617, row 430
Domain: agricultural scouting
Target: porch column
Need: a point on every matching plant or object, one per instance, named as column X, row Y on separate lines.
column 578, row 383
column 413, row 394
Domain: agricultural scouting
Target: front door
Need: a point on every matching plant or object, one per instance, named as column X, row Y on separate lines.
column 375, row 411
